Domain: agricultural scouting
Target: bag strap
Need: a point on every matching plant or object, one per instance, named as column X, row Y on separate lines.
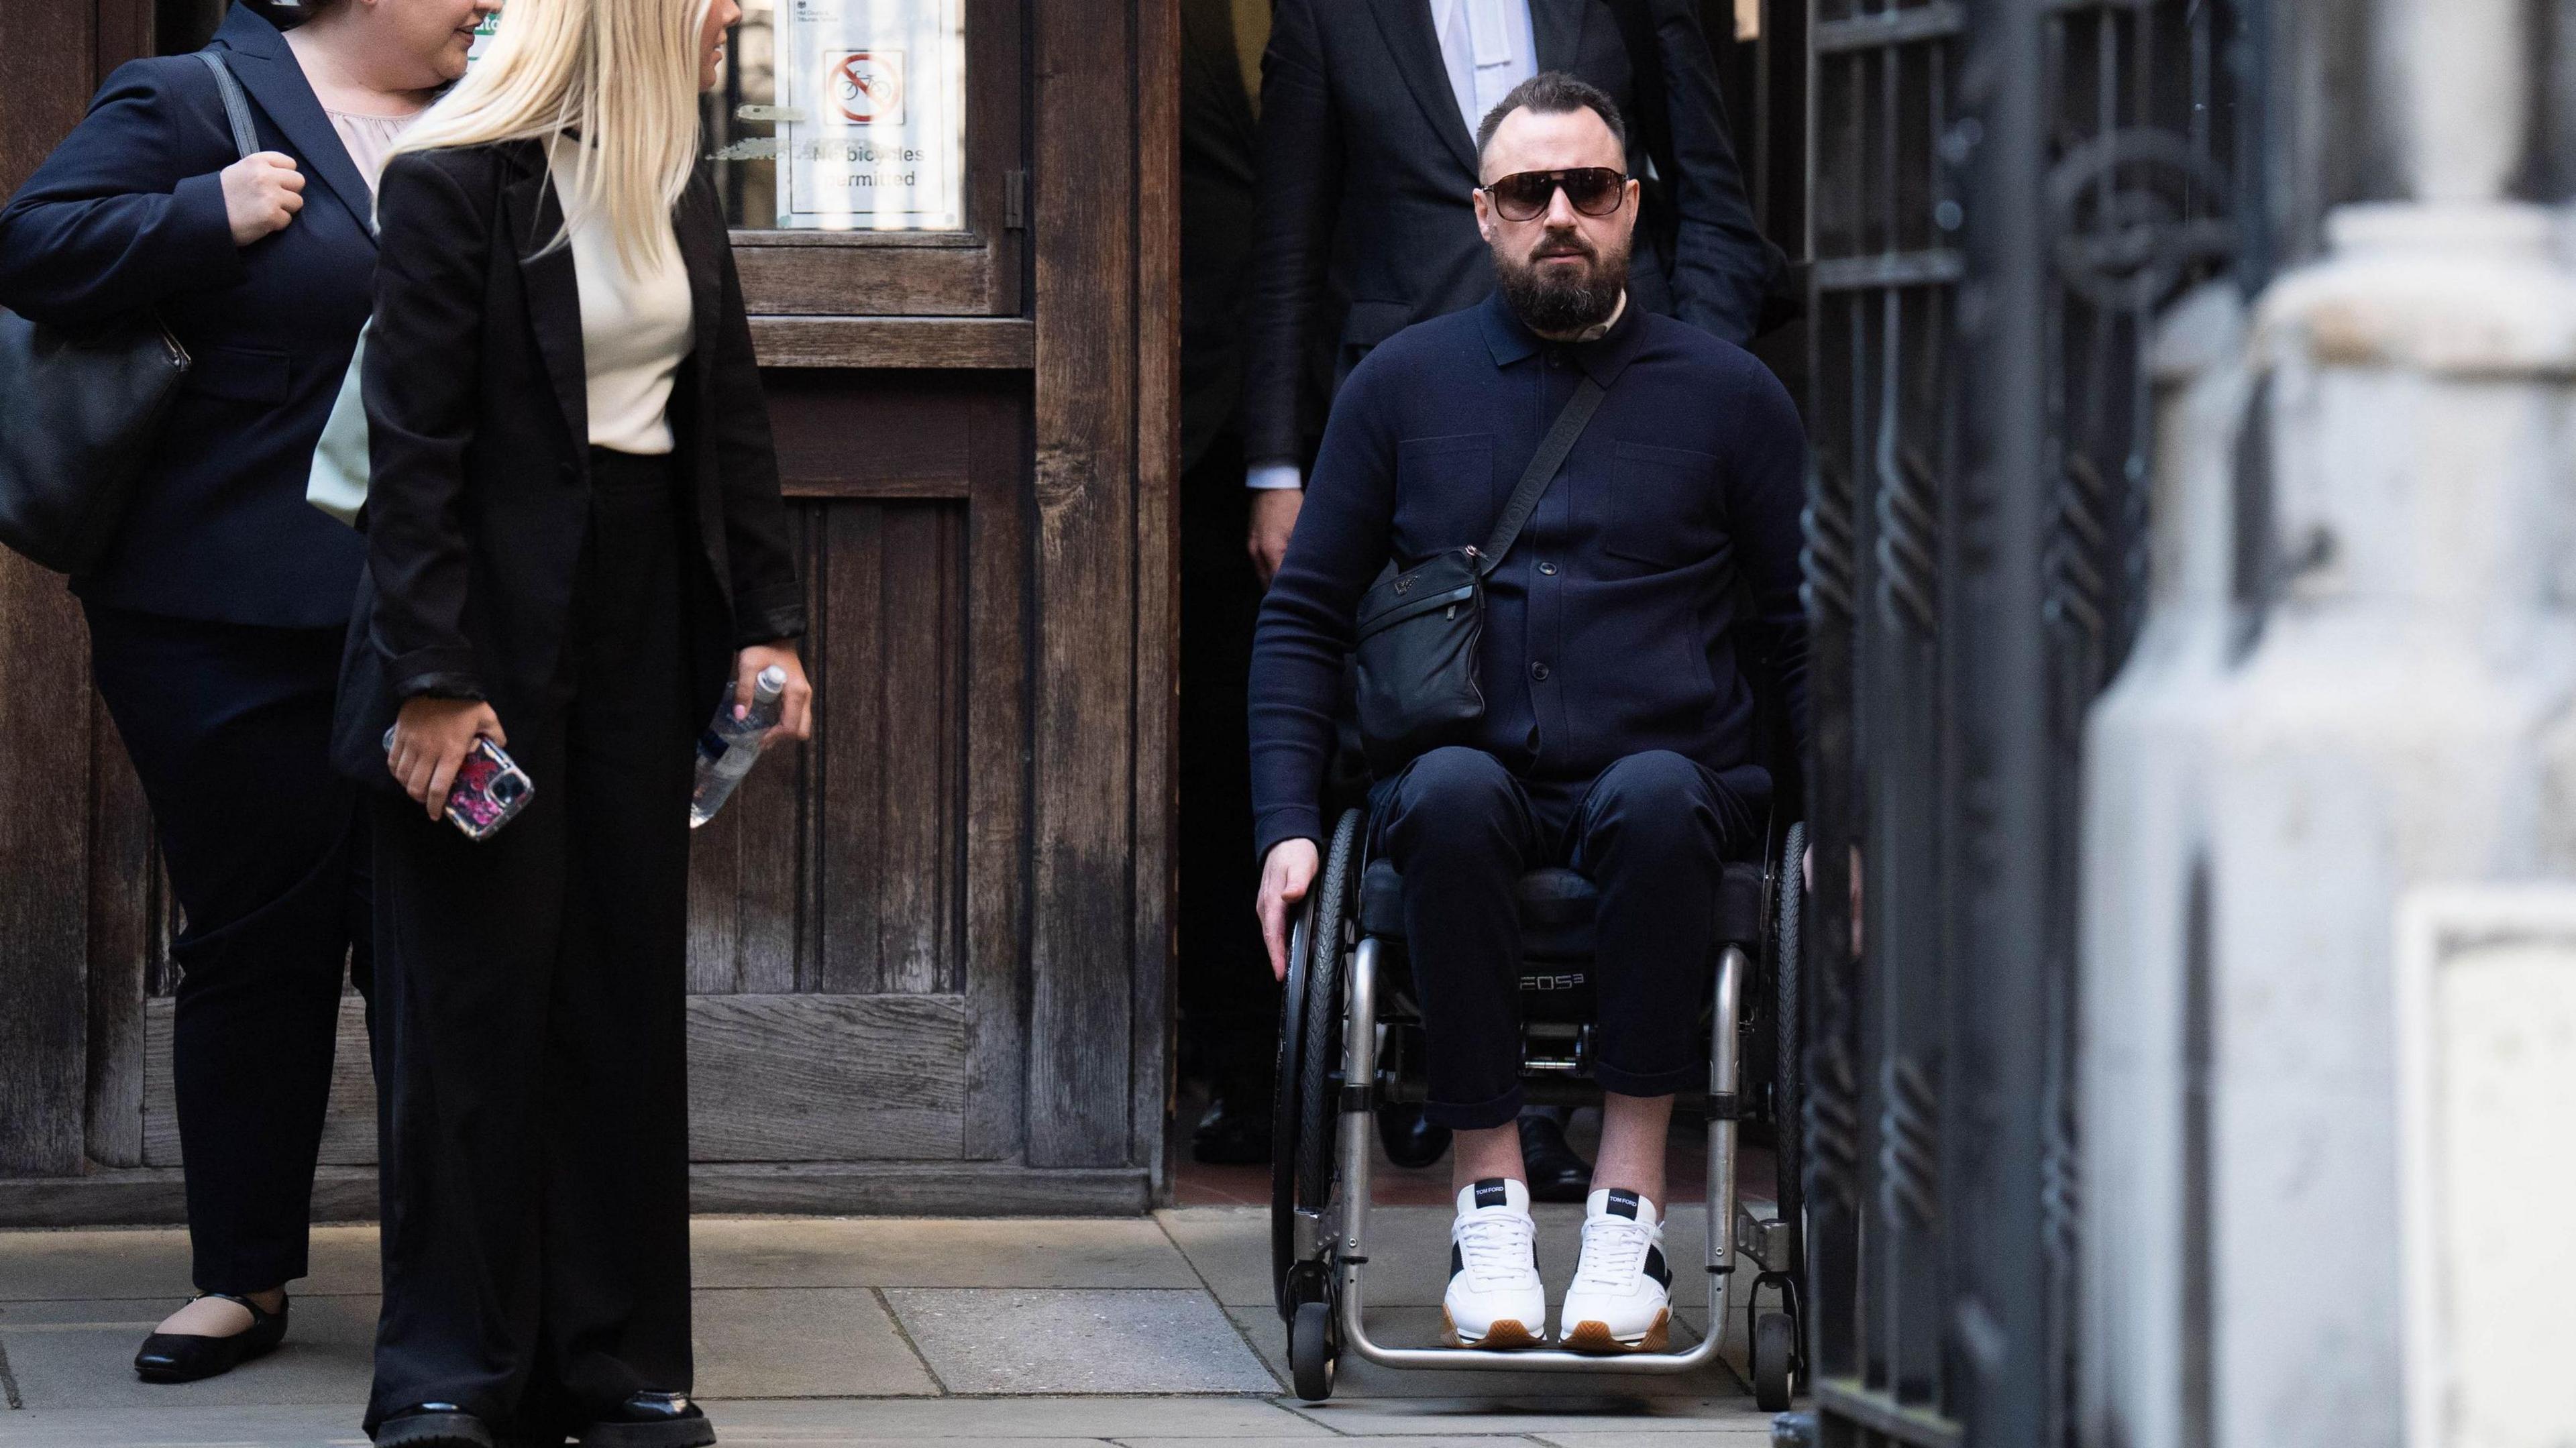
column 236, row 105
column 1543, row 465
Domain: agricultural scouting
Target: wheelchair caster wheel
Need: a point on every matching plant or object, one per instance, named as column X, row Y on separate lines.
column 1311, row 1351
column 1775, row 1345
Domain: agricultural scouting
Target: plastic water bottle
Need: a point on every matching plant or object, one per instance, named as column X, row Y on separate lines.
column 730, row 746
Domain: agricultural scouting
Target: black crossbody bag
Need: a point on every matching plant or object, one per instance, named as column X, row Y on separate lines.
column 1420, row 631
column 78, row 414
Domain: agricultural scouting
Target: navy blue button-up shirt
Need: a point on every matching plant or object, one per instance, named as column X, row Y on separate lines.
column 1611, row 626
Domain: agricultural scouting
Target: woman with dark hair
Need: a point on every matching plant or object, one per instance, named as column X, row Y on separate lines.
column 217, row 614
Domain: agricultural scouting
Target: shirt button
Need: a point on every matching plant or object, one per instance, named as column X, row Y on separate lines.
column 1548, row 568
column 1538, row 671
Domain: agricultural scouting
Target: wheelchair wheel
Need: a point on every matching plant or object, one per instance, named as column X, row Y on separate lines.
column 1336, row 901
column 1287, row 1114
column 1310, row 1015
column 1312, row 1353
column 1788, row 1088
column 1775, row 1344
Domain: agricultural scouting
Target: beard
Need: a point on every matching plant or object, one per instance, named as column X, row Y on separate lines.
column 1547, row 301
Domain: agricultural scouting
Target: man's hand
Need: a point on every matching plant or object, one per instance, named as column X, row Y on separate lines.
column 795, row 707
column 1285, row 878
column 1274, row 517
column 431, row 739
column 262, row 192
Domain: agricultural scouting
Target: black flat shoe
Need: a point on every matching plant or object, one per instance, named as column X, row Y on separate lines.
column 1410, row 1141
column 651, row 1420
column 1556, row 1174
column 185, row 1357
column 1231, row 1135
column 433, row 1425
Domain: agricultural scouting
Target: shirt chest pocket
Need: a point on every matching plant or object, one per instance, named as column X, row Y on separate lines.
column 1444, row 492
column 1661, row 506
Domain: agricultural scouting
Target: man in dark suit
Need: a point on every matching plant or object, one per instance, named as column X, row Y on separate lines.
column 1365, row 225
column 1368, row 109
column 1229, row 1003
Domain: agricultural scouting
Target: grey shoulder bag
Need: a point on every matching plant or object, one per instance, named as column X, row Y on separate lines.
column 1420, row 631
column 79, row 413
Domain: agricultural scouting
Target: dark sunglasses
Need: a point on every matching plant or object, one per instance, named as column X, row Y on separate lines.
column 1526, row 195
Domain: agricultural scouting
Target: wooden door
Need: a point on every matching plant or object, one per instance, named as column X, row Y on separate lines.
column 927, row 949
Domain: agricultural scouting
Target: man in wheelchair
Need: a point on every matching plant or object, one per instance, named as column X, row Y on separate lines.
column 1617, row 728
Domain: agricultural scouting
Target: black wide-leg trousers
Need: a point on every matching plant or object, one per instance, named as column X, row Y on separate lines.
column 534, row 1106
column 229, row 729
column 1652, row 832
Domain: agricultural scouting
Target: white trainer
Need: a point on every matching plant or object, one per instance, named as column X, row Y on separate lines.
column 1495, row 1298
column 1622, row 1297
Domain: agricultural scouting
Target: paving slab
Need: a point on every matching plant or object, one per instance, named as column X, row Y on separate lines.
column 1696, row 1439
column 326, row 1359
column 1053, row 1341
column 211, row 1426
column 814, row 1342
column 1622, row 1419
column 1407, row 1440
column 1013, row 1420
column 152, row 1262
column 1357, row 1378
column 1228, row 1246
column 934, row 1252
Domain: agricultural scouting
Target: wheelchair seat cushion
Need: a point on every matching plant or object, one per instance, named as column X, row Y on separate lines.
column 1556, row 908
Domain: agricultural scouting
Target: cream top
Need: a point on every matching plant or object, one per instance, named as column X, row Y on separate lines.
column 635, row 331
column 368, row 138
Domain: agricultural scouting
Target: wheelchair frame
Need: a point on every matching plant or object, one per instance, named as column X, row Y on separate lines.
column 1326, row 1311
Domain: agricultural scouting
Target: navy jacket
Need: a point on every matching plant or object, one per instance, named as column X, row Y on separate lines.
column 1611, row 626
column 1363, row 223
column 128, row 215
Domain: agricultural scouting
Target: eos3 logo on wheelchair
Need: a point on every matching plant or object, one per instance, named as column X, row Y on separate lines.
column 1569, row 980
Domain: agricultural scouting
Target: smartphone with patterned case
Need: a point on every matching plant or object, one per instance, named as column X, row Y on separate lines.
column 489, row 791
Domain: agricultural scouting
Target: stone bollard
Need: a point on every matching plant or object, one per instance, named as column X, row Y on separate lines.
column 2387, row 731
column 2146, row 812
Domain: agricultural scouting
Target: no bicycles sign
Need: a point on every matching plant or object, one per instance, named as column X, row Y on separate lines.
column 867, row 86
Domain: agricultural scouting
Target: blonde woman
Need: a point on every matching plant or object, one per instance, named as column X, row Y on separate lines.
column 574, row 540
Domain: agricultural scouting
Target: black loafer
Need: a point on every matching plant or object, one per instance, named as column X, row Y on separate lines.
column 1231, row 1134
column 1410, row 1141
column 651, row 1420
column 433, row 1425
column 1556, row 1174
column 185, row 1357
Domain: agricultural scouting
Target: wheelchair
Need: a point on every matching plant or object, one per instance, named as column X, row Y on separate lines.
column 1349, row 1045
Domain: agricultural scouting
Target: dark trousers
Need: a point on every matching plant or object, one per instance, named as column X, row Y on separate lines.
column 535, row 1109
column 1229, row 1003
column 1652, row 833
column 229, row 726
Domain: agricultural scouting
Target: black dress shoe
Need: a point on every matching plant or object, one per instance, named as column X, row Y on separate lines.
column 433, row 1425
column 651, row 1420
column 1556, row 1174
column 1232, row 1134
column 184, row 1357
column 1410, row 1141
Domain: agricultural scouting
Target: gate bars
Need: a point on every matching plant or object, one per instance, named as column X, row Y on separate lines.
column 2002, row 193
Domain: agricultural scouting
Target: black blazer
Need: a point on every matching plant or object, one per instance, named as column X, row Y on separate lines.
column 1366, row 166
column 477, row 413
column 128, row 215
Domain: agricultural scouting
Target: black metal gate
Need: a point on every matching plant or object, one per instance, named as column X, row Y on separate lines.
column 2003, row 192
